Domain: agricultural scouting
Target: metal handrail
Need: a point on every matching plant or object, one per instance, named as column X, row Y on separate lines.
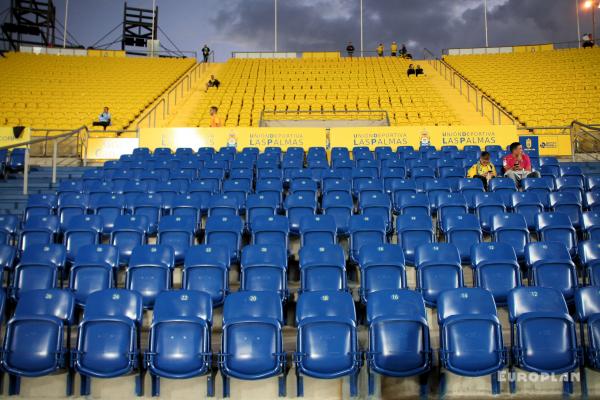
column 480, row 97
column 385, row 114
column 560, row 45
column 183, row 84
column 585, row 134
column 56, row 140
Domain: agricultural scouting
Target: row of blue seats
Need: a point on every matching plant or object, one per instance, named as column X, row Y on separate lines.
column 471, row 343
column 322, row 265
column 11, row 162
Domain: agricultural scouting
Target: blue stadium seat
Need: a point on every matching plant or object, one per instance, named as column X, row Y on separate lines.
column 451, row 204
column 344, row 167
column 592, row 183
column 340, row 153
column 470, row 187
column 271, row 230
column 40, row 205
column 108, row 343
column 33, row 344
column 270, row 188
column 486, row 205
column 463, row 231
column 327, row 342
column 392, row 174
column 511, row 229
column 264, row 268
column 400, row 186
column 81, row 231
column 570, row 184
column 293, row 172
column 304, row 187
column 180, row 345
column 222, row 205
column 421, row 175
column 189, row 206
column 470, row 334
column 132, row 189
column 226, row 231
column 452, row 175
column 413, row 231
column 94, row 269
column 260, row 205
column 98, row 189
column 178, row 233
column 71, row 205
column 39, row 230
column 551, row 165
column 435, row 188
column 238, row 189
column 322, row 267
column 438, row 269
column 587, row 305
column 150, row 206
column 589, row 255
column 381, row 268
column 109, row 207
column 496, row 269
column 505, row 187
column 557, row 227
column 539, row 186
column 541, row 325
column 340, row 206
column 571, row 171
column 244, row 176
column 549, row 265
column 213, row 177
column 399, row 343
column 412, row 204
column 377, row 205
column 39, row 268
column 129, row 232
column 206, row 269
column 8, row 228
column 257, row 316
column 206, row 187
column 591, row 200
column 368, row 187
column 150, row 271
column 8, row 256
column 567, row 203
column 591, row 224
column 318, row 230
column 297, row 207
column 330, row 179
column 528, row 205
column 70, row 186
column 365, row 230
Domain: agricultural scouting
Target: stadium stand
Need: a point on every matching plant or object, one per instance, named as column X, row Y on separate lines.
column 66, row 92
column 309, row 88
column 520, row 82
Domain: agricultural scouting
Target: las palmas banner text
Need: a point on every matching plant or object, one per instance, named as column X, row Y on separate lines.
column 232, row 137
column 417, row 136
column 8, row 137
column 101, row 148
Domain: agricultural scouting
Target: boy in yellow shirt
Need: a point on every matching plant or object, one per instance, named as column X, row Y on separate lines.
column 215, row 121
column 483, row 169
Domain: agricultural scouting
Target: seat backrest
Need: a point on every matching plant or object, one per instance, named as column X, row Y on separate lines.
column 326, row 254
column 489, row 252
column 55, row 302
column 552, row 219
column 46, row 222
column 52, row 254
column 249, row 305
column 395, row 303
column 460, row 222
column 508, row 221
column 132, row 222
column 550, row 252
column 205, row 254
column 98, row 254
column 176, row 223
column 170, row 305
column 465, row 301
column 443, row 253
column 518, row 199
column 325, row 304
column 383, row 254
column 528, row 299
column 262, row 254
column 85, row 222
column 589, row 251
column 114, row 303
column 587, row 302
column 153, row 255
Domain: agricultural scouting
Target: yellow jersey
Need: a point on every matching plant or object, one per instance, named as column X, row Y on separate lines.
column 481, row 170
column 215, row 121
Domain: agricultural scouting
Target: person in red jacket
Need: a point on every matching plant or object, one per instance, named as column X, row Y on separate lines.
column 517, row 165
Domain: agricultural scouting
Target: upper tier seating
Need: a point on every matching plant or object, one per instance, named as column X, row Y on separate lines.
column 548, row 88
column 249, row 87
column 66, row 92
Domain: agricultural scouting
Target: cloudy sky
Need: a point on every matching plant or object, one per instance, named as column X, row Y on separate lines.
column 229, row 25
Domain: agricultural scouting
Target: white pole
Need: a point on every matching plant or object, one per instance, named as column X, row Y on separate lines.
column 66, row 23
column 578, row 27
column 276, row 49
column 361, row 30
column 485, row 22
column 153, row 27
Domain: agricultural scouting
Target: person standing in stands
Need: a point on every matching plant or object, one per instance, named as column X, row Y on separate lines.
column 517, row 165
column 205, row 53
column 103, row 119
column 394, row 49
column 403, row 51
column 215, row 121
column 483, row 170
column 380, row 50
column 350, row 49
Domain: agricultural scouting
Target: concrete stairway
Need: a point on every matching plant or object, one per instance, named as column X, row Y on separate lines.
column 188, row 111
column 464, row 110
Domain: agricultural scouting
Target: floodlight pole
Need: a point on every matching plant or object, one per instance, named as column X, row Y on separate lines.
column 276, row 49
column 361, row 30
column 578, row 26
column 66, row 23
column 153, row 27
column 485, row 22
